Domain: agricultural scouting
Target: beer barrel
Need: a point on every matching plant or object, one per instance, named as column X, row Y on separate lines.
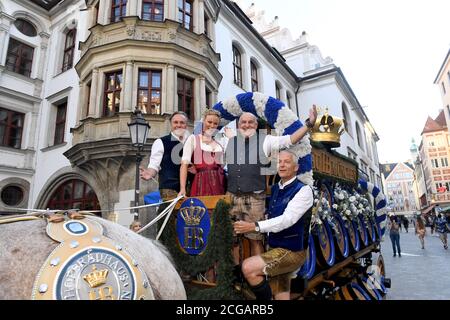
column 371, row 287
column 363, row 231
column 323, row 240
column 351, row 291
column 340, row 237
column 353, row 236
column 309, row 267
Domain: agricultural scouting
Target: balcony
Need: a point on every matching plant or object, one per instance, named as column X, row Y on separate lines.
column 438, row 198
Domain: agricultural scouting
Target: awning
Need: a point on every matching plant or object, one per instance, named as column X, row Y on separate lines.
column 445, row 209
column 427, row 210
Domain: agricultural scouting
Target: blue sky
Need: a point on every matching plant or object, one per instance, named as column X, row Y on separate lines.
column 390, row 52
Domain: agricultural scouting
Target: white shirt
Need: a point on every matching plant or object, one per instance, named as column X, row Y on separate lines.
column 157, row 152
column 270, row 143
column 189, row 147
column 295, row 209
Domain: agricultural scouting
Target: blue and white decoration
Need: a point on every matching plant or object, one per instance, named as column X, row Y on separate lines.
column 279, row 117
column 76, row 228
column 193, row 226
column 380, row 202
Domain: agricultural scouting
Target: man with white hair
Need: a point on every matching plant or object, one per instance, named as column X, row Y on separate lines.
column 289, row 217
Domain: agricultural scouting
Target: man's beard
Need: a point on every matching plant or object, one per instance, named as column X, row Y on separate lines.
column 179, row 132
column 247, row 133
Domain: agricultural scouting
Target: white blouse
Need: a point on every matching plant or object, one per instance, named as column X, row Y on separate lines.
column 191, row 144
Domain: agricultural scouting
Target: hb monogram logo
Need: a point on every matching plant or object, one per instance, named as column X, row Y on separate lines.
column 193, row 226
column 96, row 279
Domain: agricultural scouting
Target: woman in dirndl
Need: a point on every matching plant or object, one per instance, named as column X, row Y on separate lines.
column 203, row 156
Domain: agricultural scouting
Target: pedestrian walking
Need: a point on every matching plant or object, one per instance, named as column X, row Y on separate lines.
column 406, row 223
column 431, row 219
column 421, row 231
column 394, row 233
column 442, row 229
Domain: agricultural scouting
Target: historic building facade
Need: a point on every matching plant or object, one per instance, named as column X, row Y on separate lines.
column 398, row 180
column 72, row 72
column 443, row 82
column 433, row 159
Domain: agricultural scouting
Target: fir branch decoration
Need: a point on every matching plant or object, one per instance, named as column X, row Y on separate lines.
column 218, row 250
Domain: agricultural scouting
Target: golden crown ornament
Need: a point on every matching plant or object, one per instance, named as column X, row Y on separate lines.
column 328, row 130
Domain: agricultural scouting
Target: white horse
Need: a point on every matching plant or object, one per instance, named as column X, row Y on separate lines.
column 25, row 246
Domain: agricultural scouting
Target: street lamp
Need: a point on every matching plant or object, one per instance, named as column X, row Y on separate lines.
column 138, row 131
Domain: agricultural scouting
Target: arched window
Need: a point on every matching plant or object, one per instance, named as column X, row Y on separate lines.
column 237, row 66
column 347, row 119
column 69, row 49
column 359, row 136
column 254, row 74
column 74, row 194
column 25, row 27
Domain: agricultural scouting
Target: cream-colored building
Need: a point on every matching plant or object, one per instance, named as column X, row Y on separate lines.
column 434, row 152
column 398, row 179
column 443, row 82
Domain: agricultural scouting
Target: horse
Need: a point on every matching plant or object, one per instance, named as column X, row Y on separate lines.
column 26, row 247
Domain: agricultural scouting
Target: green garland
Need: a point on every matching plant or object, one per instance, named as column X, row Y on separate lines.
column 218, row 249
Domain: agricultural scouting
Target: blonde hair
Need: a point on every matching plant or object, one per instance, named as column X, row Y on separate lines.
column 135, row 224
column 211, row 112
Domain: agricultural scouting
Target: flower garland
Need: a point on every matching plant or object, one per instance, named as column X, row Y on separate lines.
column 279, row 117
column 351, row 204
column 322, row 211
column 344, row 204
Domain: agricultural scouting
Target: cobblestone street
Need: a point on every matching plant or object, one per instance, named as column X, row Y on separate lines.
column 418, row 274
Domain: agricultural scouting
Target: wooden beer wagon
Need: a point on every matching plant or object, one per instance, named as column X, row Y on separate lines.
column 344, row 260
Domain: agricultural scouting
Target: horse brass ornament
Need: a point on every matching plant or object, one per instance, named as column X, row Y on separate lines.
column 88, row 266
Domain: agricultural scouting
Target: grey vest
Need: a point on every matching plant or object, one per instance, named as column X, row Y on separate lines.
column 246, row 161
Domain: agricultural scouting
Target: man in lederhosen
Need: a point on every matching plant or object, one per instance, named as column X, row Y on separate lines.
column 289, row 217
column 247, row 161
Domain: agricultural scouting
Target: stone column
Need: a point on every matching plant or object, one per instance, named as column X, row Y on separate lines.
column 81, row 106
column 170, row 90
column 5, row 24
column 132, row 8
column 104, row 11
column 198, row 106
column 172, row 10
column 94, row 108
column 202, row 93
column 126, row 103
column 42, row 55
column 3, row 33
column 200, row 17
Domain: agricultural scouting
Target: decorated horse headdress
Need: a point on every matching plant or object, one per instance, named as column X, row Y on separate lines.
column 279, row 117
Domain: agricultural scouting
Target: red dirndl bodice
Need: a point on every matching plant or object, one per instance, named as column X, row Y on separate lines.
column 209, row 179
